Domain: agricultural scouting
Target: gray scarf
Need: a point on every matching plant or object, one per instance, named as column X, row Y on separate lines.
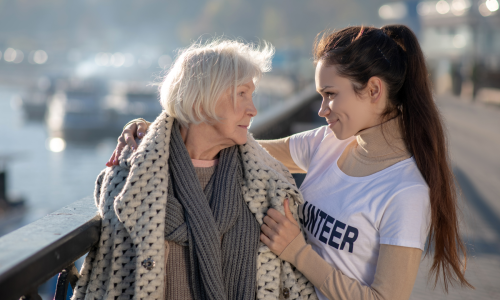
column 221, row 233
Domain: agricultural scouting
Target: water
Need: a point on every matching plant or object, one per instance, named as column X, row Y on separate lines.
column 46, row 180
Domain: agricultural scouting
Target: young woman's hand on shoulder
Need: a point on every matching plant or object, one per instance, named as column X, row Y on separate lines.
column 133, row 129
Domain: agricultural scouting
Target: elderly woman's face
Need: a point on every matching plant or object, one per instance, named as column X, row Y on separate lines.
column 235, row 116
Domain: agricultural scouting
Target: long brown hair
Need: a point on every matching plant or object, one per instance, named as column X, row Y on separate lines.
column 393, row 54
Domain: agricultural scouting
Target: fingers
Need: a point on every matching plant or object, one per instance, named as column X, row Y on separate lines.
column 277, row 239
column 270, row 239
column 119, row 149
column 276, row 215
column 279, row 230
column 111, row 159
column 142, row 127
column 129, row 135
column 265, row 239
column 279, row 218
column 288, row 212
column 271, row 223
column 270, row 233
column 127, row 138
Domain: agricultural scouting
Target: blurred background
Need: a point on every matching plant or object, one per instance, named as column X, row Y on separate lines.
column 72, row 73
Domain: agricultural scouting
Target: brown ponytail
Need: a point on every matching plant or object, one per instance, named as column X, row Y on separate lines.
column 393, row 54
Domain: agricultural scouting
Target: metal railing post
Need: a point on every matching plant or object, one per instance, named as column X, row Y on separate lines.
column 67, row 275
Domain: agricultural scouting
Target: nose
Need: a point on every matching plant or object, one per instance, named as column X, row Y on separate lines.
column 251, row 109
column 324, row 110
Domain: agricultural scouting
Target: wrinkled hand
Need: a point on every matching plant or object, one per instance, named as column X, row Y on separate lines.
column 129, row 133
column 279, row 230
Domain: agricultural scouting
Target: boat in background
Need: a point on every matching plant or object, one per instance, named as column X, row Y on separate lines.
column 77, row 111
column 85, row 110
column 34, row 101
column 34, row 105
column 131, row 100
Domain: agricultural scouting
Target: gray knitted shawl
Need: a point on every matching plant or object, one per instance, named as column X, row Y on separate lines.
column 221, row 232
column 129, row 260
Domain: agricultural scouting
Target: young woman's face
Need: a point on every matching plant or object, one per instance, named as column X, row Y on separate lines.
column 345, row 111
column 235, row 116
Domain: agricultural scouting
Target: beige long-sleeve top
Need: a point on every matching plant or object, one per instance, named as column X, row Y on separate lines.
column 373, row 150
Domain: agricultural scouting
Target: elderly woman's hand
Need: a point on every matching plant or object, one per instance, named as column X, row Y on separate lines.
column 279, row 230
column 136, row 128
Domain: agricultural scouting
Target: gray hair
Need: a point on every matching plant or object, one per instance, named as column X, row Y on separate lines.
column 202, row 73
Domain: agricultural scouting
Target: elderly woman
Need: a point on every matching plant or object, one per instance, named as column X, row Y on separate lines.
column 181, row 214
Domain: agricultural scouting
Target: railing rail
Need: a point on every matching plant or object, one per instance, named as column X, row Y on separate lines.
column 34, row 253
column 279, row 115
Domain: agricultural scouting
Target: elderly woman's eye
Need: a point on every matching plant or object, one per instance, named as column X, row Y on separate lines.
column 241, row 93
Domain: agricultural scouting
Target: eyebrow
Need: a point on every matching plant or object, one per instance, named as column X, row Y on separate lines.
column 325, row 87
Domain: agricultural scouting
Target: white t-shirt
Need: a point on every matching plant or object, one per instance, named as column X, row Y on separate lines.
column 347, row 218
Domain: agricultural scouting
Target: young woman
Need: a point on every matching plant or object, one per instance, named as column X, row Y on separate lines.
column 378, row 178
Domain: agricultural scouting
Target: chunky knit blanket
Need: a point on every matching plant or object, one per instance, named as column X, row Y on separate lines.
column 129, row 260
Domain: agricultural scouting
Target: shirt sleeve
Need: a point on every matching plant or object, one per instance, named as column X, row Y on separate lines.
column 397, row 269
column 303, row 145
column 406, row 219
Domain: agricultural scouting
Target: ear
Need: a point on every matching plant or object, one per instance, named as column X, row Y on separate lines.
column 375, row 88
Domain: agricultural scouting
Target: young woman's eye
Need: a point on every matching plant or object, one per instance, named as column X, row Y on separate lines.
column 330, row 95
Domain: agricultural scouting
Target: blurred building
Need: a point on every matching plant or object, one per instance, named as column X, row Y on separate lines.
column 136, row 40
column 461, row 41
